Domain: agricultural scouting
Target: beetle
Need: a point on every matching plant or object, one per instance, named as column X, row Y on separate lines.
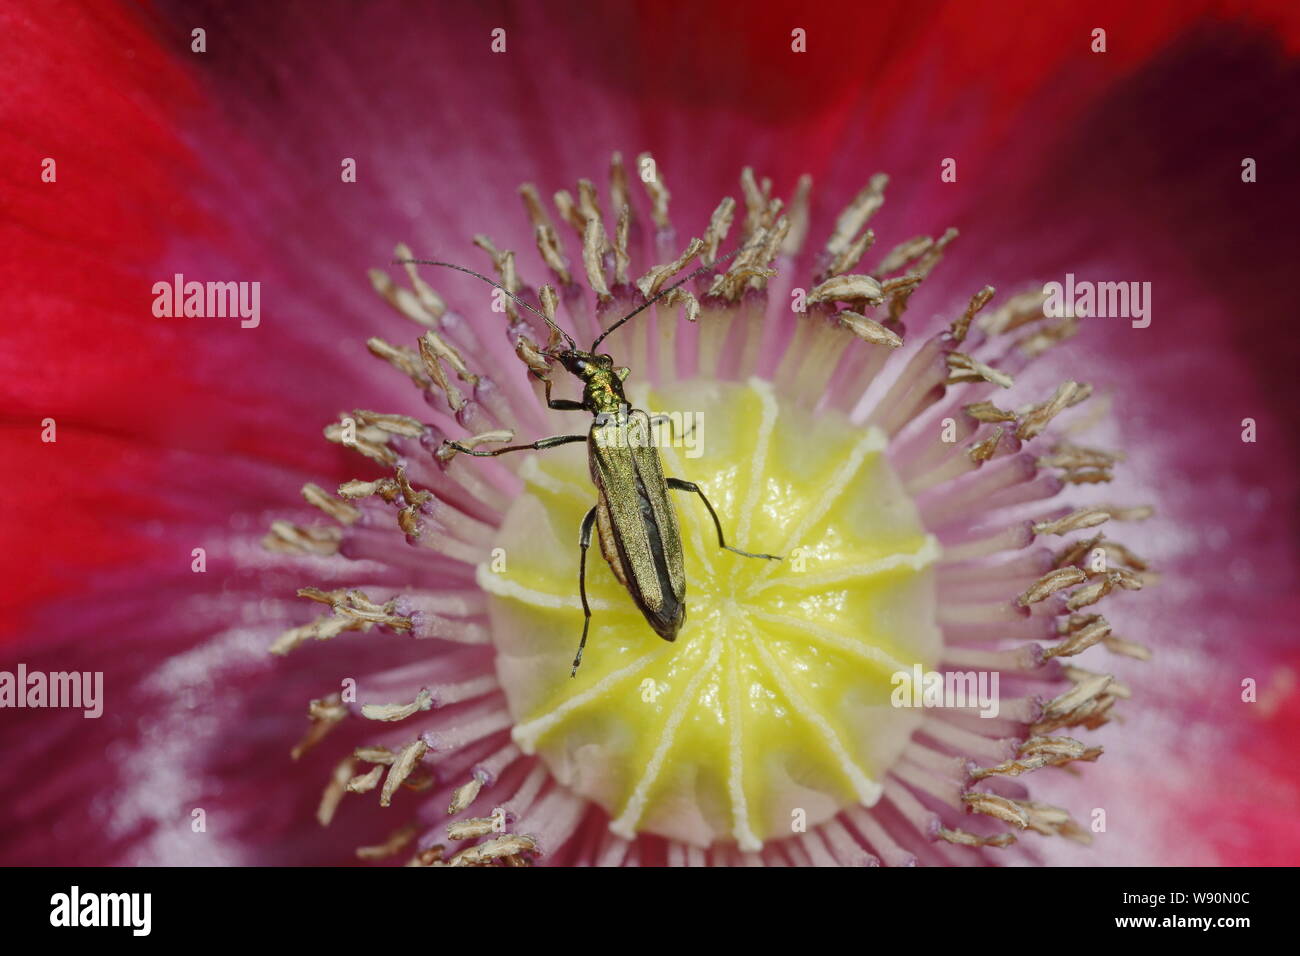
column 633, row 518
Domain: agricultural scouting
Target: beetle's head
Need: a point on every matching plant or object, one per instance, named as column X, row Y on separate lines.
column 589, row 365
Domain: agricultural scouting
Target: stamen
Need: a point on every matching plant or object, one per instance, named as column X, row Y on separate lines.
column 977, row 302
column 378, row 755
column 988, row 412
column 1066, row 455
column 1087, row 477
column 1127, row 648
column 366, row 782
column 386, row 488
column 962, row 838
column 659, row 195
column 1053, row 821
column 1050, row 583
column 1038, row 752
column 325, row 714
column 1096, row 412
column 538, row 363
column 851, row 256
column 463, row 796
column 593, row 250
column 1077, row 552
column 983, row 450
column 900, row 286
column 776, row 232
column 756, row 202
column 869, row 330
column 537, row 214
column 622, row 260
column 372, row 442
column 430, row 301
column 1000, row 808
column 934, row 255
column 397, row 841
column 334, row 791
column 620, row 193
column 589, row 207
column 1092, row 593
column 504, row 263
column 719, row 226
column 1036, row 343
column 799, row 218
column 287, row 538
column 393, row 712
column 569, row 212
column 1036, row 419
column 966, row 369
column 550, row 303
column 1078, row 674
column 431, row 356
column 847, row 288
column 1021, row 309
column 402, row 767
column 855, row 215
column 1139, row 513
column 401, row 425
column 470, row 829
column 404, row 301
column 508, row 845
column 548, row 245
column 749, row 264
column 351, row 611
column 654, row 280
column 340, row 511
column 1086, row 630
column 683, row 298
column 904, row 254
column 430, row 857
column 1086, row 704
column 405, row 360
column 1075, row 521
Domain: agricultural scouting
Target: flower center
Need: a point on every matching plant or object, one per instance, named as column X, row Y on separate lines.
column 771, row 711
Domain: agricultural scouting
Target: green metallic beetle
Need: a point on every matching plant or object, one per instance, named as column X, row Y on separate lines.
column 633, row 516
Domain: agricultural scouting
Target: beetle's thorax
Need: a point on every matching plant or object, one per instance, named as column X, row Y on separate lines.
column 603, row 394
column 602, row 388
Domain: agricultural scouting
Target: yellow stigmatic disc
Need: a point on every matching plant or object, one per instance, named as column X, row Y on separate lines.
column 771, row 711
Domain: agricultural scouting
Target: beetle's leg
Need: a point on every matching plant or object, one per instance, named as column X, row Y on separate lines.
column 584, row 542
column 679, row 485
column 539, row 445
column 657, row 420
column 561, row 404
column 660, row 419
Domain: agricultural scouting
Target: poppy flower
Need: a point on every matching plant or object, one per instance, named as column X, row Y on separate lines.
column 325, row 619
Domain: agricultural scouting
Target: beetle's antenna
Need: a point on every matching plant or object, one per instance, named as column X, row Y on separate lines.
column 680, row 282
column 479, row 275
